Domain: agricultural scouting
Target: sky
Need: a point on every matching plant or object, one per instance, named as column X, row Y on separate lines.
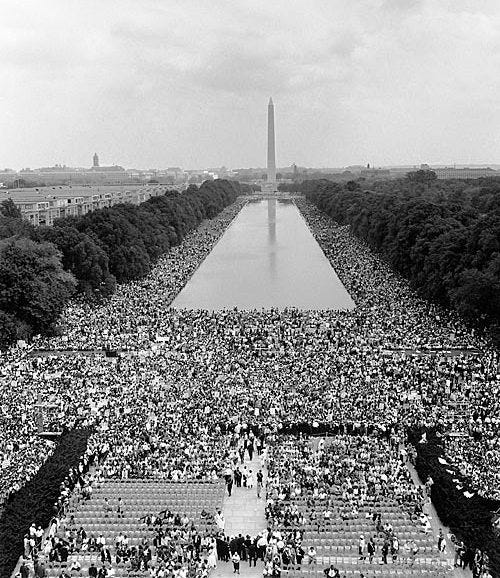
column 158, row 83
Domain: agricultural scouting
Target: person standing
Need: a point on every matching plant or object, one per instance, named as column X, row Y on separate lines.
column 250, row 449
column 428, row 487
column 395, row 548
column 219, row 520
column 39, row 537
column 441, row 541
column 261, row 546
column 477, row 567
column 212, row 558
column 233, row 544
column 252, row 553
column 26, row 542
column 25, row 570
column 241, row 548
column 229, row 484
column 299, row 555
column 385, row 552
column 468, row 557
column 362, row 548
column 247, row 543
column 371, row 549
column 119, row 508
column 311, row 555
column 260, row 483
column 219, row 546
column 226, row 552
column 459, row 553
column 235, row 559
column 40, row 569
column 108, row 508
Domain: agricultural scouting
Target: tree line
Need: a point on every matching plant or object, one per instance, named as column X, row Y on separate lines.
column 42, row 267
column 34, row 502
column 470, row 519
column 443, row 236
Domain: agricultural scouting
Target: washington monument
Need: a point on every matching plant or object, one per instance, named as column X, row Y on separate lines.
column 271, row 153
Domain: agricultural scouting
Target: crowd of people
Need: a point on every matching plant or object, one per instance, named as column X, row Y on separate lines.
column 350, row 481
column 25, row 376
column 309, row 488
column 186, row 382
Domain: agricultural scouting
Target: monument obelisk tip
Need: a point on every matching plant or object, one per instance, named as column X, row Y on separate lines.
column 271, row 100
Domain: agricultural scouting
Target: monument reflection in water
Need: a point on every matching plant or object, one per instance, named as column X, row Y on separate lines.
column 266, row 258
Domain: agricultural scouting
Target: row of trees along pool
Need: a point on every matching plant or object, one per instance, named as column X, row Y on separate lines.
column 443, row 236
column 42, row 267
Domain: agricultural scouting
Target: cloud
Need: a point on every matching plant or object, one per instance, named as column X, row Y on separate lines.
column 186, row 81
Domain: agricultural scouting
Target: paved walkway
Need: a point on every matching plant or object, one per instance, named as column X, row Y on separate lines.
column 436, row 524
column 244, row 513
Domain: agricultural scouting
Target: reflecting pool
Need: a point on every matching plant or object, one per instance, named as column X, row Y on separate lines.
column 266, row 258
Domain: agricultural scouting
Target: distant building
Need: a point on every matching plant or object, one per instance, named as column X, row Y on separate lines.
column 354, row 168
column 461, row 172
column 465, row 173
column 62, row 175
column 382, row 173
column 42, row 205
column 401, row 172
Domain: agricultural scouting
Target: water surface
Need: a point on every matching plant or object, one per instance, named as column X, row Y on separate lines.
column 266, row 258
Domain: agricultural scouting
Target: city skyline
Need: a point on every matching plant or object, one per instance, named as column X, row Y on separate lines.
column 180, row 84
column 90, row 164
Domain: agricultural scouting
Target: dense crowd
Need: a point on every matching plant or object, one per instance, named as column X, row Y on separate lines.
column 62, row 379
column 186, row 382
column 314, row 487
column 359, row 469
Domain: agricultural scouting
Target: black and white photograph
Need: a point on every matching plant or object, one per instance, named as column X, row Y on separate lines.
column 250, row 288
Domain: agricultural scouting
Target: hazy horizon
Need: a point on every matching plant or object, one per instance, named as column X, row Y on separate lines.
column 163, row 83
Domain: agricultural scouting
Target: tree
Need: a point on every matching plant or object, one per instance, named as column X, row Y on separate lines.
column 477, row 295
column 12, row 222
column 82, row 257
column 33, row 285
column 352, row 186
column 8, row 209
column 12, row 226
column 424, row 177
column 8, row 329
